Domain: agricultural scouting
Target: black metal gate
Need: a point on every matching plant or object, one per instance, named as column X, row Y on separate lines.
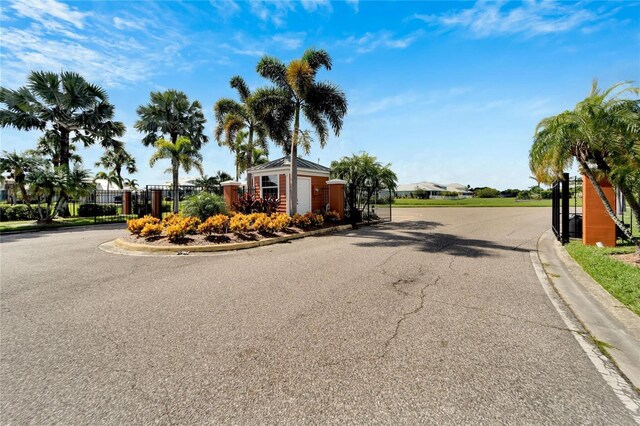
column 365, row 205
column 560, row 209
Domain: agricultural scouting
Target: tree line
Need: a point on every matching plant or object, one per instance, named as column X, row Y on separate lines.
column 70, row 111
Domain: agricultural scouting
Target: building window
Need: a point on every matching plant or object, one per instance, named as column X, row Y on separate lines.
column 269, row 187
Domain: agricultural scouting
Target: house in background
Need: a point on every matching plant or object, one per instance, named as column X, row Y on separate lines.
column 432, row 190
column 272, row 179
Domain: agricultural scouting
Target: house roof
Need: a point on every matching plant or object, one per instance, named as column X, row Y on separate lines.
column 427, row 186
column 432, row 186
column 286, row 161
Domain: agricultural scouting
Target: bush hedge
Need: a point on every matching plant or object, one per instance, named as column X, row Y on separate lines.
column 10, row 212
column 91, row 210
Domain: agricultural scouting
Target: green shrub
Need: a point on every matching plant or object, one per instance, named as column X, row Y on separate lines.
column 204, row 205
column 523, row 195
column 487, row 193
column 91, row 210
column 15, row 212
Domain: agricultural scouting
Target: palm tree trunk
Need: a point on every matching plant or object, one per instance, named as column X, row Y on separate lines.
column 63, row 207
column 249, row 159
column 118, row 171
column 176, row 188
column 293, row 189
column 25, row 197
column 607, row 206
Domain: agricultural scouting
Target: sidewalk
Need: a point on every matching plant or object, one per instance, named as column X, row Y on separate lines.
column 606, row 319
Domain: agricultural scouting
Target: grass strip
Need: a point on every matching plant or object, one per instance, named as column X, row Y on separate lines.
column 621, row 280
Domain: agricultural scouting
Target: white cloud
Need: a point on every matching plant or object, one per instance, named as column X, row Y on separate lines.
column 313, row 5
column 372, row 41
column 530, row 18
column 355, row 4
column 225, row 8
column 127, row 24
column 389, row 102
column 64, row 38
column 44, row 10
column 289, row 41
column 274, row 11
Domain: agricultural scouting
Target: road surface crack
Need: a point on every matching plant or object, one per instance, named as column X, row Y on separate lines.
column 404, row 316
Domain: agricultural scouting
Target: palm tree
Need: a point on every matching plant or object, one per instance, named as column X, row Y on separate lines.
column 110, row 177
column 131, row 183
column 18, row 166
column 232, row 117
column 66, row 106
column 212, row 183
column 323, row 104
column 170, row 115
column 600, row 134
column 258, row 156
column 47, row 184
column 49, row 145
column 115, row 160
column 182, row 154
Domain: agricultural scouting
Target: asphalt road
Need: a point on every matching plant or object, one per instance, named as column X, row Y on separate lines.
column 435, row 318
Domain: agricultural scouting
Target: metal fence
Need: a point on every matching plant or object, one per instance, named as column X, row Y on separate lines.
column 560, row 209
column 625, row 214
column 365, row 205
column 120, row 205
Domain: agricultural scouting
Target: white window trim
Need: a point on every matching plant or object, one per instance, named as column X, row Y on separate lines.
column 277, row 185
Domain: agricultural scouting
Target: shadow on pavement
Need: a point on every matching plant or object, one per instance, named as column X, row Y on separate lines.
column 419, row 235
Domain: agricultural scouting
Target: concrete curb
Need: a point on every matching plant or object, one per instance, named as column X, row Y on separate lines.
column 604, row 317
column 141, row 247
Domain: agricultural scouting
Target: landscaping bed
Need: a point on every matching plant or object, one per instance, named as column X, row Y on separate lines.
column 223, row 232
column 220, row 239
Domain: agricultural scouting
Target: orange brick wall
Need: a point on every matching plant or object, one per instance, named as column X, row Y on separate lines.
column 597, row 225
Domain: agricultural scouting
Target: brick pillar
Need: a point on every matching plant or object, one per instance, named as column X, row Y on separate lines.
column 126, row 202
column 230, row 192
column 156, row 203
column 597, row 225
column 336, row 195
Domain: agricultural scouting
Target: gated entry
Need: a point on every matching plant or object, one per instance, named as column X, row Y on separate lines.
column 365, row 205
column 560, row 209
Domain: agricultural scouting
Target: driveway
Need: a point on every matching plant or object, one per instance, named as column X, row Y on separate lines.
column 437, row 317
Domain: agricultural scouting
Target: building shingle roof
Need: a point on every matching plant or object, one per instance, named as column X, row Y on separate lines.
column 285, row 161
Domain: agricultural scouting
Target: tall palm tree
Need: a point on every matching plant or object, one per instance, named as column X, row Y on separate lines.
column 65, row 105
column 600, row 134
column 171, row 115
column 182, row 154
column 232, row 117
column 110, row 177
column 297, row 93
column 115, row 160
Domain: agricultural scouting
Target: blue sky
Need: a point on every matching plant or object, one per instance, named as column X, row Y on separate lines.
column 444, row 91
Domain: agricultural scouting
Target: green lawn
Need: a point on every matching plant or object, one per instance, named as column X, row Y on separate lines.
column 618, row 278
column 474, row 202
